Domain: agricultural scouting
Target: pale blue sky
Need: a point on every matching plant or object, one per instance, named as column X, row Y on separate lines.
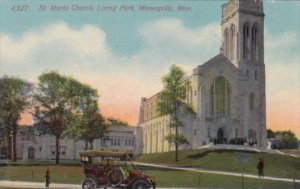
column 121, row 27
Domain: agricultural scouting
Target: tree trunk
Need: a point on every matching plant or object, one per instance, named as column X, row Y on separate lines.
column 86, row 145
column 91, row 145
column 14, row 146
column 57, row 150
column 176, row 130
column 176, row 151
column 8, row 147
column 176, row 143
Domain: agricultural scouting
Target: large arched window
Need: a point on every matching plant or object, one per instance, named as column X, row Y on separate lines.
column 220, row 97
column 254, row 45
column 246, row 38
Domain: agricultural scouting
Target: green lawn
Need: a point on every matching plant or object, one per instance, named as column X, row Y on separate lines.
column 58, row 174
column 227, row 160
column 167, row 178
column 164, row 178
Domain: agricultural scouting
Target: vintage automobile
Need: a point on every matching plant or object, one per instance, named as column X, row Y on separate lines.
column 106, row 169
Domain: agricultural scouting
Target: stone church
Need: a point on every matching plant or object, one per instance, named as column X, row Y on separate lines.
column 227, row 92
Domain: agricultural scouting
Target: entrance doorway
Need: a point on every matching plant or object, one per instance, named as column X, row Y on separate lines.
column 220, row 136
column 31, row 153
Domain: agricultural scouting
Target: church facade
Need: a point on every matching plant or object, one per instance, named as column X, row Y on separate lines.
column 227, row 92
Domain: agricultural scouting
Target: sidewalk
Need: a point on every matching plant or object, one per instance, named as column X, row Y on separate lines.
column 18, row 184
column 218, row 172
column 35, row 185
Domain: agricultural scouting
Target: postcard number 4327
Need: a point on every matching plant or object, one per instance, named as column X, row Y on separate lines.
column 20, row 8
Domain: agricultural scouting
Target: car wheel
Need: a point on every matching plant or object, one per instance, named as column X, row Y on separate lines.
column 141, row 184
column 115, row 177
column 89, row 183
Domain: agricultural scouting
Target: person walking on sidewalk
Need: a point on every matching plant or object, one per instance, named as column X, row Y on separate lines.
column 47, row 178
column 260, row 167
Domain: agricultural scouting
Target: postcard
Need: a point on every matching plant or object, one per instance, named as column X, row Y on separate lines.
column 149, row 94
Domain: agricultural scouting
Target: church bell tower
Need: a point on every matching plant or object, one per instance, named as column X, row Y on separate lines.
column 243, row 44
column 243, row 32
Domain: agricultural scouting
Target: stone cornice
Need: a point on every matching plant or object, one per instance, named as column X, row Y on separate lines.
column 249, row 12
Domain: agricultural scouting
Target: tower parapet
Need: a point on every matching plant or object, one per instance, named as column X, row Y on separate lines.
column 249, row 6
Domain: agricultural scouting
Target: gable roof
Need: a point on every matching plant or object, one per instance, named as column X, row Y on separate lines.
column 220, row 58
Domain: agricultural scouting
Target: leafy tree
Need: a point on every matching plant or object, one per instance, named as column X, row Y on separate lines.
column 52, row 97
column 86, row 122
column 14, row 100
column 59, row 99
column 67, row 108
column 87, row 125
column 112, row 121
column 270, row 134
column 27, row 131
column 171, row 103
column 2, row 138
column 285, row 140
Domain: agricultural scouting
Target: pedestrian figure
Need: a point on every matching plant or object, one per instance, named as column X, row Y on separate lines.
column 260, row 167
column 47, row 178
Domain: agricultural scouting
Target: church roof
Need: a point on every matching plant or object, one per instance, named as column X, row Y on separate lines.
column 220, row 58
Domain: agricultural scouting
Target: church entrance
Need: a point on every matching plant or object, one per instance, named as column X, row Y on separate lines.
column 220, row 136
column 31, row 153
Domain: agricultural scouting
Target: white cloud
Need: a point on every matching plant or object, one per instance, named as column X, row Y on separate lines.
column 172, row 31
column 54, row 41
column 283, row 40
column 171, row 36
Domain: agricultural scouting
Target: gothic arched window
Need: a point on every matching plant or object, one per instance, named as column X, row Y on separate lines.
column 251, row 101
column 237, row 46
column 246, row 40
column 220, row 97
column 226, row 40
column 231, row 50
column 254, row 42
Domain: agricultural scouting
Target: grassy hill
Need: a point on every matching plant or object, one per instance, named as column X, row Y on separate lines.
column 230, row 160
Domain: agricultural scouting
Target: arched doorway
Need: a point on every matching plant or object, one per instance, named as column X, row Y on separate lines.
column 252, row 137
column 31, row 153
column 220, row 136
column 252, row 134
